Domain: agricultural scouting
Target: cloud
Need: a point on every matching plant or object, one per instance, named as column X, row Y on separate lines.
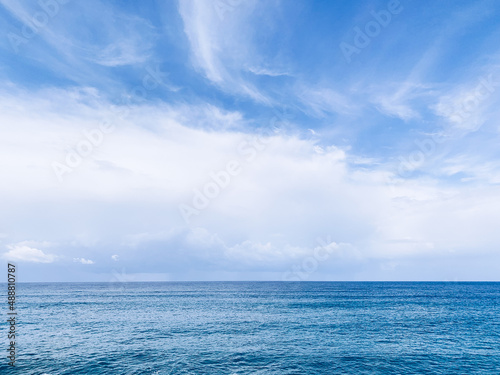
column 23, row 253
column 405, row 100
column 323, row 101
column 267, row 72
column 65, row 46
column 83, row 261
column 325, row 170
column 201, row 26
column 290, row 191
column 199, row 249
column 123, row 53
column 468, row 106
column 222, row 48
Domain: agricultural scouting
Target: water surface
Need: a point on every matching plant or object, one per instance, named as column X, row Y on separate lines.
column 257, row 328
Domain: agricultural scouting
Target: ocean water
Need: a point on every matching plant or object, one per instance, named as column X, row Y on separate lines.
column 256, row 328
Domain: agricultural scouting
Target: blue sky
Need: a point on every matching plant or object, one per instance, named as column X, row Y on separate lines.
column 245, row 140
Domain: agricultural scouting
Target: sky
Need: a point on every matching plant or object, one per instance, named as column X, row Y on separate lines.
column 250, row 140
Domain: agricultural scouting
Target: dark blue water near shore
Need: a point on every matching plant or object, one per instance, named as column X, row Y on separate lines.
column 257, row 328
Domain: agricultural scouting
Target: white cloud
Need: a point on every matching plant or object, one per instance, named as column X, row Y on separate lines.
column 62, row 47
column 222, row 47
column 124, row 53
column 401, row 101
column 267, row 72
column 321, row 101
column 286, row 195
column 83, row 261
column 23, row 253
column 468, row 106
column 115, row 257
column 202, row 26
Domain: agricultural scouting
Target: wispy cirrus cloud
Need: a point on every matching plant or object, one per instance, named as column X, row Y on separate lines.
column 223, row 48
column 60, row 47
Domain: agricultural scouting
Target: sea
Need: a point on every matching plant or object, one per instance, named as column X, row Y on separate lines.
column 164, row 328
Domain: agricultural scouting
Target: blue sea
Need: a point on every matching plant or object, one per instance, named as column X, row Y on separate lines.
column 256, row 328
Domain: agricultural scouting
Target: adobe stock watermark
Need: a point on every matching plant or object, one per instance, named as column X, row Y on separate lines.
column 48, row 9
column 119, row 280
column 426, row 147
column 220, row 180
column 483, row 91
column 303, row 270
column 247, row 151
column 363, row 37
column 93, row 138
